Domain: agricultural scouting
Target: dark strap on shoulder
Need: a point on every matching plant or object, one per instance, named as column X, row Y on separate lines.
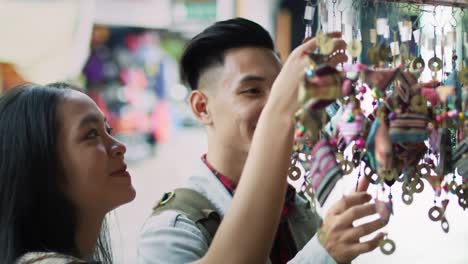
column 194, row 206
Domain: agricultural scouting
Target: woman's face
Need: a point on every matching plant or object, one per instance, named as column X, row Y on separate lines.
column 97, row 180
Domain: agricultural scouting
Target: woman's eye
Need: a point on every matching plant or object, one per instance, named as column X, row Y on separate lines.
column 92, row 134
column 109, row 130
column 251, row 91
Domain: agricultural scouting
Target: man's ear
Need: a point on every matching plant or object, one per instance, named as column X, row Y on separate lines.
column 199, row 105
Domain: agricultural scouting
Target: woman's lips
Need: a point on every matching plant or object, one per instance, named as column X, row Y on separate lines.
column 121, row 173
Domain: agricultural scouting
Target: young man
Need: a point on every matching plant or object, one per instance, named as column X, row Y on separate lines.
column 230, row 68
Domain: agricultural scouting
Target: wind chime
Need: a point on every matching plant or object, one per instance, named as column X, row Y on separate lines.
column 416, row 132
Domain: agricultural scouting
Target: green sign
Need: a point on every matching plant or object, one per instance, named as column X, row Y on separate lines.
column 201, row 10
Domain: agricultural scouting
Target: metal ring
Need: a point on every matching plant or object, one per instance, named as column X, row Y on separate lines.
column 370, row 175
column 294, row 173
column 453, row 187
column 435, row 64
column 463, row 202
column 418, row 64
column 439, row 211
column 445, row 225
column 400, row 178
column 460, row 191
column 346, row 166
column 406, row 188
column 420, row 167
column 384, row 243
column 407, row 198
column 309, row 190
column 419, row 186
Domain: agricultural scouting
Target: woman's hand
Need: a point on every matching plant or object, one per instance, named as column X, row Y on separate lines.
column 284, row 93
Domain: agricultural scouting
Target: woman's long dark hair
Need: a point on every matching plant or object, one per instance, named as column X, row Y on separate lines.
column 35, row 214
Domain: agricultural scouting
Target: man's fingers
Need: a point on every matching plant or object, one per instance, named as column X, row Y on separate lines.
column 355, row 233
column 311, row 44
column 363, row 185
column 350, row 201
column 364, row 247
column 358, row 211
column 339, row 44
column 334, row 35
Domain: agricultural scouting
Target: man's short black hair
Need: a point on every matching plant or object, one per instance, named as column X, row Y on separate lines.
column 209, row 47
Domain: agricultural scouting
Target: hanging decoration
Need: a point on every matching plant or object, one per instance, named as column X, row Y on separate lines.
column 414, row 131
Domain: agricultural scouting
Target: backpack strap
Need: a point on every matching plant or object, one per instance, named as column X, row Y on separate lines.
column 195, row 207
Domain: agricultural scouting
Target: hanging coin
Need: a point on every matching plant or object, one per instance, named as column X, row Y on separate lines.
column 387, row 246
column 385, row 53
column 453, row 186
column 320, row 38
column 404, row 52
column 407, row 188
column 373, row 55
column 418, row 64
column 407, row 198
column 418, row 187
column 463, row 202
column 354, row 48
column 436, row 213
column 400, row 178
column 370, row 175
column 294, row 171
column 464, row 76
column 445, row 225
column 424, row 170
column 326, row 48
column 346, row 166
column 435, row 64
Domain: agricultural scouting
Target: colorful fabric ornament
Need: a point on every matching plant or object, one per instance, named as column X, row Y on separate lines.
column 460, row 158
column 324, row 170
column 381, row 78
column 409, row 128
column 370, row 144
column 351, row 124
column 383, row 150
column 445, row 160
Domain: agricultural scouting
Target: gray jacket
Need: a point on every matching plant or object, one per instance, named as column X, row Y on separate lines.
column 172, row 238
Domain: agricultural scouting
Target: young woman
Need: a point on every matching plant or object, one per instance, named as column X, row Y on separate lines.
column 62, row 171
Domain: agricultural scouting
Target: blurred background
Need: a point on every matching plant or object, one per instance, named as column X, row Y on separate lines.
column 124, row 53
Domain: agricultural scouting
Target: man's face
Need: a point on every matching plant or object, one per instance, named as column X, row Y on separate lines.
column 237, row 93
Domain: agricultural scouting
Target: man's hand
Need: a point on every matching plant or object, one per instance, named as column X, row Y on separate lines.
column 341, row 238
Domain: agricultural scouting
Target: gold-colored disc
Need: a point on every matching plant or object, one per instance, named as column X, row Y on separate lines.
column 294, row 173
column 445, row 225
column 387, row 246
column 373, row 55
column 354, row 48
column 385, row 53
column 464, row 76
column 346, row 166
column 435, row 64
column 436, row 213
column 327, row 46
column 407, row 198
column 418, row 64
